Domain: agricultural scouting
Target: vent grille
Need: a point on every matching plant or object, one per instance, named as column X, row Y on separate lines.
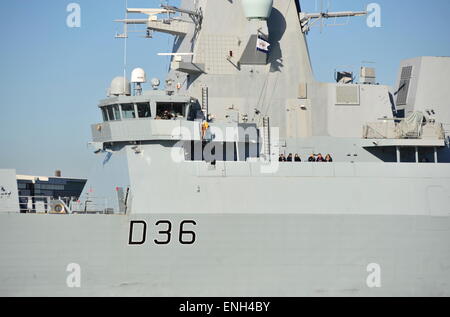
column 406, row 72
column 403, row 88
column 347, row 95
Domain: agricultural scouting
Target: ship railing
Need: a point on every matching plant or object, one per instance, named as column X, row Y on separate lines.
column 92, row 205
column 51, row 205
column 380, row 130
column 42, row 205
column 389, row 129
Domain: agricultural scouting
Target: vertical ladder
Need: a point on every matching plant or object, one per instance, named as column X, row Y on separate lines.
column 205, row 96
column 266, row 136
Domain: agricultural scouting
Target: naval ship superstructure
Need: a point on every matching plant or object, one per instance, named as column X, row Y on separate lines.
column 195, row 199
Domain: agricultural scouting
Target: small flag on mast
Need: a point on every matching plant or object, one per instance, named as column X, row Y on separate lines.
column 262, row 44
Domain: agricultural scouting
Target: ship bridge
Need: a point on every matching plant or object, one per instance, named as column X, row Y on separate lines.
column 150, row 116
column 163, row 116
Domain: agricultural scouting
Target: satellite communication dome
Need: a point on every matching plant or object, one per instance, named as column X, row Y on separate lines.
column 257, row 9
column 138, row 76
column 120, row 86
column 155, row 83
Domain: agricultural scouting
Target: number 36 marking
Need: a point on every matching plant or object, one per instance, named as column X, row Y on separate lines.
column 138, row 237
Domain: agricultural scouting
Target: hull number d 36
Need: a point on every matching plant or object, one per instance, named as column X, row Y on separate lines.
column 164, row 233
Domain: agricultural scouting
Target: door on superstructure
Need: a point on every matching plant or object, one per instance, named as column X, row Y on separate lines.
column 298, row 119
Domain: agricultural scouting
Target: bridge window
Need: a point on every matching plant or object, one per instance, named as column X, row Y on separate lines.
column 104, row 114
column 110, row 113
column 116, row 112
column 144, row 110
column 128, row 111
column 170, row 110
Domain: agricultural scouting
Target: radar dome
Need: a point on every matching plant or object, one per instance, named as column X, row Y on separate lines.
column 138, row 76
column 257, row 9
column 155, row 83
column 120, row 86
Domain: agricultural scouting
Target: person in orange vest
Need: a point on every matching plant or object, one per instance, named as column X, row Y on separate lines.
column 205, row 127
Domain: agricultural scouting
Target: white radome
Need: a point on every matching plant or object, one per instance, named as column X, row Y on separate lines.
column 257, row 9
column 120, row 86
column 138, row 76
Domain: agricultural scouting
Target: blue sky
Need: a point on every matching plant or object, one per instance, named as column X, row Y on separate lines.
column 53, row 76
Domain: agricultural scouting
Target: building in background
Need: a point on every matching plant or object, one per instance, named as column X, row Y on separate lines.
column 57, row 187
column 54, row 187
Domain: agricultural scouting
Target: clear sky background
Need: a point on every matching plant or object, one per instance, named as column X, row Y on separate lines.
column 53, row 76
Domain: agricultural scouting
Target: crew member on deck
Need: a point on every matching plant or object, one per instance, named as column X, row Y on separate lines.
column 205, row 127
column 289, row 158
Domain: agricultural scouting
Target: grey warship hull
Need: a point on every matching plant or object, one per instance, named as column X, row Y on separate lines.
column 235, row 255
column 317, row 240
column 190, row 198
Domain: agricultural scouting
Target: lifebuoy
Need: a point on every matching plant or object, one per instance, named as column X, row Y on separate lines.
column 59, row 209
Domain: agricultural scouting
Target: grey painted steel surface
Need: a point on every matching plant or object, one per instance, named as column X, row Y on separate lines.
column 263, row 228
column 235, row 255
